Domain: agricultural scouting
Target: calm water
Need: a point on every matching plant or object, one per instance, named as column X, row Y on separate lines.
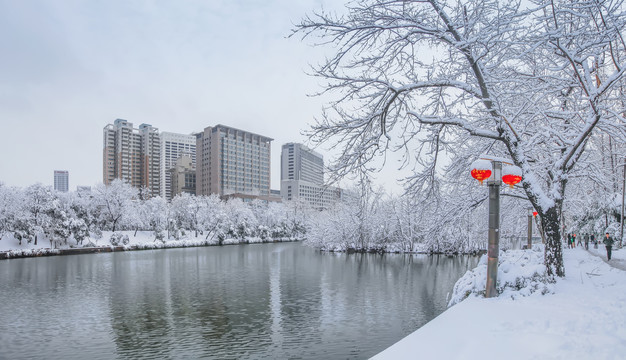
column 266, row 301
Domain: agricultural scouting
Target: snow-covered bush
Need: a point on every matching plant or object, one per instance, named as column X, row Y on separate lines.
column 520, row 273
column 117, row 238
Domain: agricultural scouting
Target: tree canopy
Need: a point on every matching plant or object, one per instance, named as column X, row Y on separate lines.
column 536, row 82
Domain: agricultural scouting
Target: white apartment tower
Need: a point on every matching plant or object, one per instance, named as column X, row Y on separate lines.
column 173, row 147
column 232, row 162
column 61, row 180
column 132, row 155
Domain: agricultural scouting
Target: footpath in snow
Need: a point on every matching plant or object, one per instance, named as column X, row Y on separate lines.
column 584, row 318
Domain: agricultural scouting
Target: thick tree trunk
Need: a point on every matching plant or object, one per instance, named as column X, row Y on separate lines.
column 553, row 257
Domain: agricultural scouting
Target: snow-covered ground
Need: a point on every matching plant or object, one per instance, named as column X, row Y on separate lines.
column 583, row 316
column 142, row 240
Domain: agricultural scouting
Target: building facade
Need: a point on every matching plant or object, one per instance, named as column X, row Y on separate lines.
column 61, row 180
column 297, row 162
column 173, row 147
column 182, row 177
column 133, row 155
column 302, row 177
column 232, row 163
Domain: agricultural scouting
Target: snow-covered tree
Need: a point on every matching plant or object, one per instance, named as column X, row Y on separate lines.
column 155, row 213
column 113, row 200
column 210, row 217
column 10, row 205
column 530, row 81
column 40, row 202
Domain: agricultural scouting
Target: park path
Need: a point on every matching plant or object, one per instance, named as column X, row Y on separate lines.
column 616, row 263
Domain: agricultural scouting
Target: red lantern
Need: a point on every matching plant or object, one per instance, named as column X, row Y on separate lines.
column 534, row 213
column 481, row 170
column 511, row 175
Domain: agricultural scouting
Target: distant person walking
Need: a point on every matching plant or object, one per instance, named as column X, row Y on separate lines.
column 573, row 241
column 608, row 241
column 579, row 241
column 569, row 240
column 586, row 241
column 594, row 241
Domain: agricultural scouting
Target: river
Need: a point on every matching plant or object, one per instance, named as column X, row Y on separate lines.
column 262, row 301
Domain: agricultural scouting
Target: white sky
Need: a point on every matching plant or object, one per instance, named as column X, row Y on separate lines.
column 70, row 67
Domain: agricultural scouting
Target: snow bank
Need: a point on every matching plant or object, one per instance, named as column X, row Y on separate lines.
column 142, row 240
column 582, row 318
column 31, row 252
column 520, row 273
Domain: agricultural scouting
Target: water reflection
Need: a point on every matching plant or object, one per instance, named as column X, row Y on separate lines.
column 257, row 301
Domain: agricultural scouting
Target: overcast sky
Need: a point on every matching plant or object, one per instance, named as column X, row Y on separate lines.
column 70, row 67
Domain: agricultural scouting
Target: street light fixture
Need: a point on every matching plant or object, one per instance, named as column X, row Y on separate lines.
column 511, row 175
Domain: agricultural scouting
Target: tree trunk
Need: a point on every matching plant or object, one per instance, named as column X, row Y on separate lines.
column 553, row 257
column 35, row 239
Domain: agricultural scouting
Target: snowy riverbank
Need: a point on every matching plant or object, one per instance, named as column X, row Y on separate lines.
column 144, row 240
column 581, row 317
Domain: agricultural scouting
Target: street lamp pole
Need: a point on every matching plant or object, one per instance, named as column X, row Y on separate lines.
column 493, row 247
column 511, row 175
column 621, row 237
column 530, row 229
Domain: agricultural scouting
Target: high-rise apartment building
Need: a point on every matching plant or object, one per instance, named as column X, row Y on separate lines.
column 232, row 162
column 132, row 155
column 302, row 177
column 173, row 147
column 61, row 180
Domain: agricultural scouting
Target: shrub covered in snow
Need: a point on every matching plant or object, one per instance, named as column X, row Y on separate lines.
column 520, row 273
column 117, row 238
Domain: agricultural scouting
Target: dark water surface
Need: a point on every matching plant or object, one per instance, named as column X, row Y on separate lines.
column 265, row 301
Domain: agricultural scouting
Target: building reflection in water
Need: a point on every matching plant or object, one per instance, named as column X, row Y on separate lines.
column 230, row 302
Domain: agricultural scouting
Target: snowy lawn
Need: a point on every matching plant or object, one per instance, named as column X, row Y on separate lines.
column 584, row 318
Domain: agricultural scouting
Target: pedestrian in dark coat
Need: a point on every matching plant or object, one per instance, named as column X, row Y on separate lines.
column 608, row 241
column 586, row 241
column 569, row 240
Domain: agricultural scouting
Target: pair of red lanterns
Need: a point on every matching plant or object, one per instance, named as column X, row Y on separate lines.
column 482, row 169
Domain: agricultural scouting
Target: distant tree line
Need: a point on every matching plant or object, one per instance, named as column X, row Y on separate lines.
column 39, row 213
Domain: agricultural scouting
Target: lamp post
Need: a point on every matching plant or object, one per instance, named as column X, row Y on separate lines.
column 530, row 229
column 621, row 237
column 482, row 170
column 543, row 239
column 493, row 245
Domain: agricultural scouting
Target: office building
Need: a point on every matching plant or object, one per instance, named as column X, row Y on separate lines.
column 302, row 177
column 232, row 163
column 297, row 162
column 61, row 180
column 173, row 147
column 182, row 177
column 132, row 155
